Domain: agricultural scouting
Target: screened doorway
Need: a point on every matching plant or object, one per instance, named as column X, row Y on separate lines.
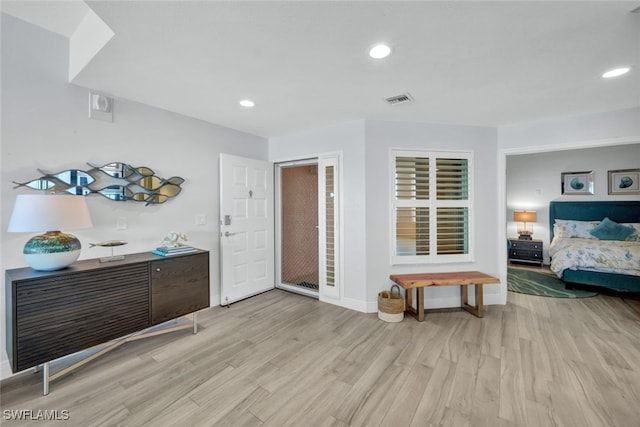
column 298, row 260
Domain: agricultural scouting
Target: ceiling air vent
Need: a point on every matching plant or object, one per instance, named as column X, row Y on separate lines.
column 405, row 98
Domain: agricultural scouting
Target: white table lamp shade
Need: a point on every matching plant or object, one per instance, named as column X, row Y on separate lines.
column 525, row 230
column 47, row 212
column 50, row 213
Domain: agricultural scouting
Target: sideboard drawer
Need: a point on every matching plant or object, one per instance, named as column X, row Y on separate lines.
column 526, row 250
column 179, row 286
column 60, row 315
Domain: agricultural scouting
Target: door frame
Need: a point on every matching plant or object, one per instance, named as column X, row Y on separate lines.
column 277, row 216
column 502, row 219
column 338, row 296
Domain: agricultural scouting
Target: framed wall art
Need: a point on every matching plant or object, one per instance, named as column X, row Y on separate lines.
column 624, row 182
column 579, row 183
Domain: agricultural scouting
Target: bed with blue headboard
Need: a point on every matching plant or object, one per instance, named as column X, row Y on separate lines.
column 617, row 211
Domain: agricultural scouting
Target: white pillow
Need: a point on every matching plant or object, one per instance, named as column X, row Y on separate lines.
column 568, row 228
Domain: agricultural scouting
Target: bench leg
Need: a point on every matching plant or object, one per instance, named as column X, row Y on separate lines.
column 420, row 304
column 408, row 301
column 417, row 312
column 478, row 310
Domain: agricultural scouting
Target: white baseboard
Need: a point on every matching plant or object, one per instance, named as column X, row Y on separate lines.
column 430, row 303
column 214, row 300
column 445, row 302
column 349, row 303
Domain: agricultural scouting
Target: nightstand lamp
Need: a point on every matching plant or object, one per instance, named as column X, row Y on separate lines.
column 50, row 213
column 525, row 230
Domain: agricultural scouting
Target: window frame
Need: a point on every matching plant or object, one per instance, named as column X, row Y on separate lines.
column 432, row 204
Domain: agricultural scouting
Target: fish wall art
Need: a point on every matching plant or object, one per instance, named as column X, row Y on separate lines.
column 116, row 181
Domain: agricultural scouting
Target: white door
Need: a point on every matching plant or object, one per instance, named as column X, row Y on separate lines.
column 246, row 227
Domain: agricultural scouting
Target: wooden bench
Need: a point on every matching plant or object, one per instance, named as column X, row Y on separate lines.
column 462, row 279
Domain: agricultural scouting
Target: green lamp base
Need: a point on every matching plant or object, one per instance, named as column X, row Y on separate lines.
column 51, row 251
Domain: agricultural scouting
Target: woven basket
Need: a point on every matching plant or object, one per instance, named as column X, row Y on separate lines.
column 391, row 305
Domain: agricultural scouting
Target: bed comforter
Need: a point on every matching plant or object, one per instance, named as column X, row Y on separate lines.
column 611, row 256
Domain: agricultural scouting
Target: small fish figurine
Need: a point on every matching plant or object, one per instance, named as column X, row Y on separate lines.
column 109, row 243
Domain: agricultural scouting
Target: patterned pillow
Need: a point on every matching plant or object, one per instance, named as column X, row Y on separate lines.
column 569, row 228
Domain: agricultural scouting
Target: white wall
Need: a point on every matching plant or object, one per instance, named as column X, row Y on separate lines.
column 365, row 147
column 380, row 138
column 533, row 180
column 45, row 125
column 348, row 139
column 621, row 126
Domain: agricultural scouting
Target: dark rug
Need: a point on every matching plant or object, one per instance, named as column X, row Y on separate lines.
column 309, row 285
column 541, row 284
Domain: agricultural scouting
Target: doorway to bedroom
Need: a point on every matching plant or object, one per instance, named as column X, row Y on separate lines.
column 297, row 231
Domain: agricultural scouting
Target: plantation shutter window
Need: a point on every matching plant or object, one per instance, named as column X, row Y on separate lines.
column 431, row 207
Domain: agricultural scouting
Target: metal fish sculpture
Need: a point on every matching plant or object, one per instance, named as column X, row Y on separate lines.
column 51, row 184
column 169, row 190
column 115, row 169
column 70, row 177
column 123, row 193
column 154, row 182
column 114, row 192
column 139, row 184
column 36, row 184
column 156, row 199
column 79, row 191
column 123, row 170
column 109, row 243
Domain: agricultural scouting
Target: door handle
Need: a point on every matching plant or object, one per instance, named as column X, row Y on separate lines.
column 227, row 234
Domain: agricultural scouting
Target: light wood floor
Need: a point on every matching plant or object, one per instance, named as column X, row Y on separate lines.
column 283, row 359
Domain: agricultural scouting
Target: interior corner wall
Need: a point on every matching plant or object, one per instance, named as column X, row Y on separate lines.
column 347, row 138
column 45, row 125
column 381, row 137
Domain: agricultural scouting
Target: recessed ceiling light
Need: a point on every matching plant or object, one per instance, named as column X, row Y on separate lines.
column 379, row 51
column 616, row 72
column 247, row 103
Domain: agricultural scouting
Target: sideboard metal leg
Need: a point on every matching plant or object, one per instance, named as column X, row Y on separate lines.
column 195, row 323
column 45, row 378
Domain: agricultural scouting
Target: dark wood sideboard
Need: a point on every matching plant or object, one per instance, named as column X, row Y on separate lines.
column 53, row 314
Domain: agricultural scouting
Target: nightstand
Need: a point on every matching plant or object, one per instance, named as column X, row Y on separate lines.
column 529, row 251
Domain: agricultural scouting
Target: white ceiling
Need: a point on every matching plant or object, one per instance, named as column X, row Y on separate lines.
column 305, row 64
